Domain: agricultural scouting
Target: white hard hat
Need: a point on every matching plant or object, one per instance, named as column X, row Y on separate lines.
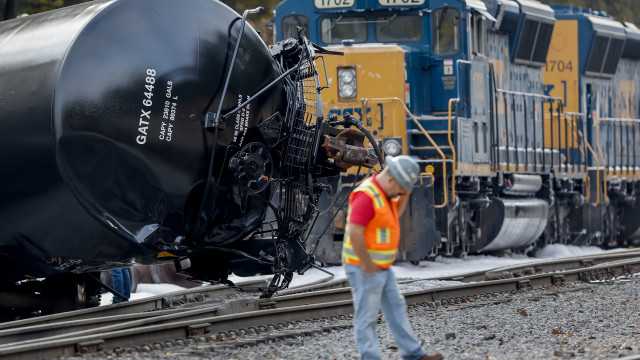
column 404, row 169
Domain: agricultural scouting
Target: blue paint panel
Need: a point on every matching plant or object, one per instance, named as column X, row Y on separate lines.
column 430, row 88
column 443, row 69
column 374, row 9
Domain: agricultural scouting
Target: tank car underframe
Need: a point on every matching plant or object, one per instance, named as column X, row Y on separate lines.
column 50, row 295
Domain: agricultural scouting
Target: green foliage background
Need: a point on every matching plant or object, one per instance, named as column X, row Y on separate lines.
column 259, row 21
column 622, row 10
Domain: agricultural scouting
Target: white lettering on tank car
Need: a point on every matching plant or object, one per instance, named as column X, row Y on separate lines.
column 242, row 122
column 168, row 113
column 143, row 125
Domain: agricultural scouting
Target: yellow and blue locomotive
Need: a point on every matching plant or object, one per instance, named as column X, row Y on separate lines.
column 523, row 117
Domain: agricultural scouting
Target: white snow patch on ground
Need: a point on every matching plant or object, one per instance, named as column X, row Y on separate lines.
column 425, row 270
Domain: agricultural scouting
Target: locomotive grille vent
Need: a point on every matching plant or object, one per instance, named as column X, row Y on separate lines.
column 533, row 44
column 604, row 56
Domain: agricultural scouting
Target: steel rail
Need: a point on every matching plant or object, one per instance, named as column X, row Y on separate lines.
column 296, row 307
column 158, row 302
column 336, row 290
column 128, row 314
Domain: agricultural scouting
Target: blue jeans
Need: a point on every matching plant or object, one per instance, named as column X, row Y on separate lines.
column 372, row 292
column 121, row 284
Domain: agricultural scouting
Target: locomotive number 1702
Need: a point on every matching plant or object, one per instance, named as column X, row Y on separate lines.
column 328, row 4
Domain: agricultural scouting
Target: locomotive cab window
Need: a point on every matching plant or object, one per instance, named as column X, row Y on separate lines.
column 334, row 30
column 290, row 25
column 446, row 33
column 394, row 28
column 478, row 35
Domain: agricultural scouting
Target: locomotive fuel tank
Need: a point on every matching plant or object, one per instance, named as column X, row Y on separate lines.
column 520, row 222
column 515, row 220
column 110, row 148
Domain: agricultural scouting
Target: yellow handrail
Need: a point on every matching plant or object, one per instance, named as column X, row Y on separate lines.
column 425, row 133
column 453, row 154
column 595, row 156
column 604, row 163
column 588, row 179
column 597, row 172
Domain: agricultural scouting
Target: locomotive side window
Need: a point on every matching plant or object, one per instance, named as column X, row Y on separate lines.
column 446, row 33
column 478, row 35
column 334, row 30
column 394, row 28
column 290, row 24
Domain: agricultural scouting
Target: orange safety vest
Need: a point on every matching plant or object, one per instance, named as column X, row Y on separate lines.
column 382, row 234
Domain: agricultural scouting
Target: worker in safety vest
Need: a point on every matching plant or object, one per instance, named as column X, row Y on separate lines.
column 370, row 245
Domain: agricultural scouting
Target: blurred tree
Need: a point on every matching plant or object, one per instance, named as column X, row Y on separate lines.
column 72, row 2
column 37, row 6
column 11, row 8
column 622, row 10
column 230, row 3
column 258, row 21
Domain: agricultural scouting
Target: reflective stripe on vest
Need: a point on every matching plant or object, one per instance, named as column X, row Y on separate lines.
column 382, row 240
column 383, row 235
column 377, row 256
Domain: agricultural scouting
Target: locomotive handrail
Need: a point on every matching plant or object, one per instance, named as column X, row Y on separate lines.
column 627, row 120
column 620, row 120
column 453, row 152
column 597, row 172
column 512, row 92
column 423, row 174
column 537, row 97
column 568, row 117
column 586, row 142
column 425, row 133
column 604, row 163
column 566, row 140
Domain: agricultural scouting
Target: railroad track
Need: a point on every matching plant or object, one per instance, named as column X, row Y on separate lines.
column 118, row 327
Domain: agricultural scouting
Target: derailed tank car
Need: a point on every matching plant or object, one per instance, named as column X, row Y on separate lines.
column 152, row 131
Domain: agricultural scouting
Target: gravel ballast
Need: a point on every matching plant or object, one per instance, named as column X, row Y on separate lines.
column 599, row 320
